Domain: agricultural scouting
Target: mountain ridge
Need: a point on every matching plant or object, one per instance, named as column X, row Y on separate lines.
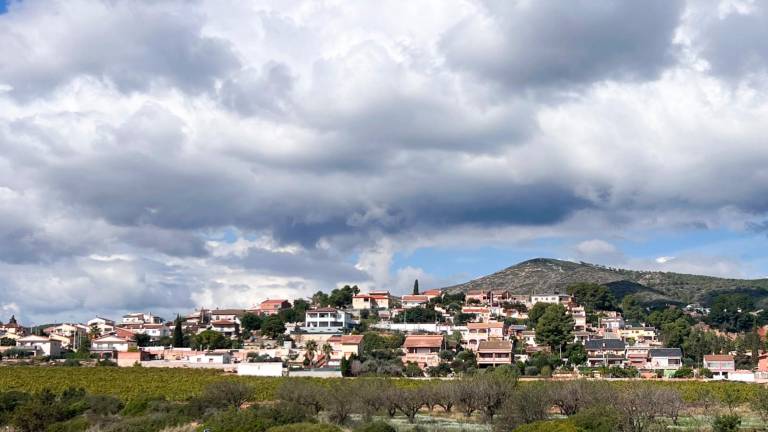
column 541, row 275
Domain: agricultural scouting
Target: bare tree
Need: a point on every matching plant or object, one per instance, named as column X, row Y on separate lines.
column 228, row 393
column 571, row 397
column 371, row 396
column 303, row 393
column 338, row 401
column 467, row 397
column 492, row 391
column 642, row 405
column 760, row 403
column 444, row 395
column 526, row 404
column 409, row 402
column 671, row 403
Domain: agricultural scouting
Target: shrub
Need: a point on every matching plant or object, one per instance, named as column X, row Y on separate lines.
column 70, row 362
column 378, row 426
column 140, row 405
column 77, row 424
column 705, row 373
column 305, row 427
column 726, row 423
column 548, row 426
column 531, row 370
column 228, row 393
column 104, row 405
column 234, row 420
column 683, row 372
column 597, row 419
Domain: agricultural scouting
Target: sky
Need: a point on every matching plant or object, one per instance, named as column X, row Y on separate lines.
column 161, row 156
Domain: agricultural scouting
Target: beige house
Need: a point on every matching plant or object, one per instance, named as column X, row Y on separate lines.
column 481, row 331
column 494, row 353
column 423, row 350
column 110, row 346
column 372, row 300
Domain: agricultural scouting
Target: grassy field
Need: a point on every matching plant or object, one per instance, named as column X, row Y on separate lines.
column 179, row 384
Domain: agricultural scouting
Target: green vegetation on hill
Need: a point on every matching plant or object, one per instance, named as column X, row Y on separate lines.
column 547, row 275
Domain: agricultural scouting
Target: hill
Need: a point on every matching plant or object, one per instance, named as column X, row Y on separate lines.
column 542, row 275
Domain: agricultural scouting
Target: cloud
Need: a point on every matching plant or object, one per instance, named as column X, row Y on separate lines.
column 130, row 45
column 164, row 155
column 524, row 44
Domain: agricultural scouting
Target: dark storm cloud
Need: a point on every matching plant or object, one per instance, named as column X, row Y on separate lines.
column 132, row 45
column 550, row 43
column 734, row 45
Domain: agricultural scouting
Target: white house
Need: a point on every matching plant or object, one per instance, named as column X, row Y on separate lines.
column 273, row 368
column 211, row 358
column 42, row 346
column 112, row 344
column 665, row 358
column 412, row 301
column 141, row 318
column 550, row 298
column 327, row 320
column 104, row 325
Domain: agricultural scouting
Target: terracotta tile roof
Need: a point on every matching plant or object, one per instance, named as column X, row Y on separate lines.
column 351, row 339
column 415, row 298
column 718, row 357
column 485, row 325
column 223, row 323
column 495, row 345
column 423, row 341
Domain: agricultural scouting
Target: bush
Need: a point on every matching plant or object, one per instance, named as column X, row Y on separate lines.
column 140, row 405
column 726, row 423
column 305, row 427
column 70, row 362
column 378, row 426
column 683, row 372
column 531, row 370
column 77, row 424
column 104, row 405
column 234, row 420
column 705, row 373
column 597, row 419
column 548, row 426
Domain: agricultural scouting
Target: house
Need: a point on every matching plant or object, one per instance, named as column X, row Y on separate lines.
column 433, row 293
column 582, row 336
column 12, row 328
column 554, row 298
column 423, row 350
column 327, row 320
column 638, row 334
column 154, row 331
column 372, row 300
column 212, row 358
column 498, row 296
column 637, row 355
column 665, row 358
column 720, row 365
column 483, row 313
column 351, row 344
column 67, row 334
column 103, row 325
column 196, row 318
column 611, row 323
column 109, row 346
column 227, row 314
column 412, row 301
column 273, row 307
column 226, row 327
column 478, row 296
column 141, row 318
column 579, row 315
column 39, row 345
column 482, row 331
column 528, row 337
column 605, row 352
column 494, row 353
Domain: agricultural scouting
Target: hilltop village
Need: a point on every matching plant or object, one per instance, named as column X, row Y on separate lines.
column 434, row 333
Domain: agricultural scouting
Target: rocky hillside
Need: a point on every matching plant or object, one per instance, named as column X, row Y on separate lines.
column 549, row 275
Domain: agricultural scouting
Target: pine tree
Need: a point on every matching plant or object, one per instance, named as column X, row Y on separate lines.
column 178, row 335
column 416, row 287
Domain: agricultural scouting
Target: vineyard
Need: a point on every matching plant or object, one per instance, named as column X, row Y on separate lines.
column 180, row 384
column 128, row 383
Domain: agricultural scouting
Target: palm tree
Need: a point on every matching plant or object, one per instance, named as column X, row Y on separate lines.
column 327, row 350
column 311, row 348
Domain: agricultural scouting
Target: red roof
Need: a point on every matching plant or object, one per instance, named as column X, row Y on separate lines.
column 419, row 298
column 485, row 325
column 718, row 357
column 434, row 292
column 352, row 339
column 223, row 323
column 423, row 341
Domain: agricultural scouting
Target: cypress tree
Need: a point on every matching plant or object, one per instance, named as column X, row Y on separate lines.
column 178, row 336
column 416, row 287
